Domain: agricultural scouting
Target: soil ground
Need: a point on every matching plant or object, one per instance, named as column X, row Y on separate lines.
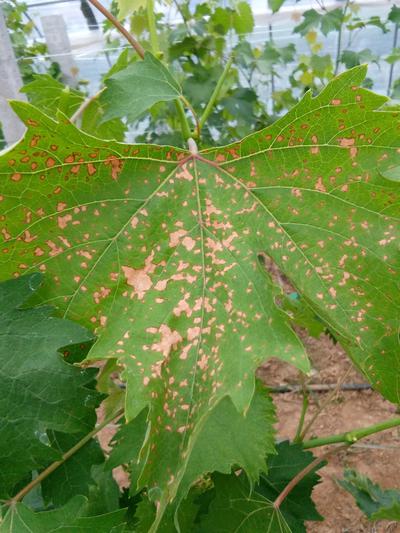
column 378, row 456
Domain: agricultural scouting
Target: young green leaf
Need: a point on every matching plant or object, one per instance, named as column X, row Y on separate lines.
column 275, row 5
column 375, row 502
column 133, row 90
column 68, row 519
column 39, row 390
column 51, row 96
column 158, row 248
column 311, row 20
column 243, row 20
column 128, row 7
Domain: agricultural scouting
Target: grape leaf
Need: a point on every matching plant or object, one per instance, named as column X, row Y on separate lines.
column 50, row 95
column 158, row 248
column 127, row 7
column 243, row 441
column 104, row 495
column 275, row 5
column 237, row 507
column 243, row 20
column 136, row 88
column 185, row 516
column 126, row 446
column 74, row 476
column 39, row 390
column 375, row 502
column 394, row 15
column 68, row 519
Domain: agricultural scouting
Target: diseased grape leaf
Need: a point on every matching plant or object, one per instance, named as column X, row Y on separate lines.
column 68, row 519
column 158, row 248
column 39, row 391
column 136, row 88
column 375, row 502
column 243, row 441
column 237, row 507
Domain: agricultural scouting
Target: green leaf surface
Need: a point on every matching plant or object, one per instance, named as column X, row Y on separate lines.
column 243, row 20
column 130, row 92
column 275, row 5
column 104, row 494
column 332, row 21
column 68, row 519
column 126, row 446
column 128, row 7
column 376, row 503
column 158, row 249
column 394, row 15
column 243, row 441
column 51, row 96
column 238, row 508
column 350, row 58
column 74, row 476
column 185, row 516
column 94, row 122
column 311, row 20
column 39, row 390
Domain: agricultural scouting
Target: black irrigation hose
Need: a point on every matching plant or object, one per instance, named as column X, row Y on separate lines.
column 321, row 387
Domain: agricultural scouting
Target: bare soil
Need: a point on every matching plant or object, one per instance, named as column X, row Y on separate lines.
column 378, row 456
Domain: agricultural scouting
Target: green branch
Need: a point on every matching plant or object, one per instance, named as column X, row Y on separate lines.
column 186, row 133
column 151, row 20
column 298, row 438
column 215, row 94
column 350, row 437
column 50, row 469
column 196, row 133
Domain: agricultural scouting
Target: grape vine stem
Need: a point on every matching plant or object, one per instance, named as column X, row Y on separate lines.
column 350, row 437
column 116, row 23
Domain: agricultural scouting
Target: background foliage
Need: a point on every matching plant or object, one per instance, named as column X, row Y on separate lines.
column 265, row 80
